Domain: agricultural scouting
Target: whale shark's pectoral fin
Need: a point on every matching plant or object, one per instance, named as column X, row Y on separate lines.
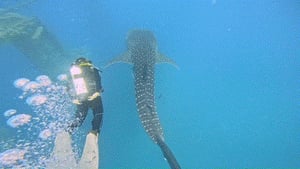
column 90, row 155
column 160, row 58
column 124, row 58
column 62, row 155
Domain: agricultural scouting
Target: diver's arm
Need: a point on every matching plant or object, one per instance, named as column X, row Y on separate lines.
column 99, row 89
column 98, row 80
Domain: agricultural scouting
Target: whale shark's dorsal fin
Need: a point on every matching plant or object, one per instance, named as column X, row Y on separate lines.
column 160, row 58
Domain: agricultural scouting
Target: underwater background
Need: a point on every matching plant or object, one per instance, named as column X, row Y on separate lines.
column 233, row 103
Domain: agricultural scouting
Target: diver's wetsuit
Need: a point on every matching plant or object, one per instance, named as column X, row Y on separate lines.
column 93, row 82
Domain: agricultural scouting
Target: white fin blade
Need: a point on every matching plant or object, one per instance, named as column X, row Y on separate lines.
column 90, row 155
column 62, row 155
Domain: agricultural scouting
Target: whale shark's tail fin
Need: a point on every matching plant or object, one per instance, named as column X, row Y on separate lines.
column 168, row 153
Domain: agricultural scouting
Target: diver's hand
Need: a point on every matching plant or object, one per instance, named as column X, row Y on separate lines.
column 76, row 101
column 94, row 96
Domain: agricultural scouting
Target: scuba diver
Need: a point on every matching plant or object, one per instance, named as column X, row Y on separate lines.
column 86, row 82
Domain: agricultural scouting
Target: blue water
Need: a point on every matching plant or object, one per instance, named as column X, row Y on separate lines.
column 234, row 102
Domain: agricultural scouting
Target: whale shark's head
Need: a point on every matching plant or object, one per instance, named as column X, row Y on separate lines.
column 137, row 38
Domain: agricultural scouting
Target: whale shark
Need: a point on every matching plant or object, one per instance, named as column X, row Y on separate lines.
column 143, row 54
column 34, row 40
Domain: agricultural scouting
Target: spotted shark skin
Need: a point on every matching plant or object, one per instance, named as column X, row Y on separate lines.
column 143, row 54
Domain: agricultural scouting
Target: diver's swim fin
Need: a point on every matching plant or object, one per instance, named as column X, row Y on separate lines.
column 62, row 155
column 168, row 154
column 90, row 155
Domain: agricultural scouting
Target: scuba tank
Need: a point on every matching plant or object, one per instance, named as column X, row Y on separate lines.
column 79, row 82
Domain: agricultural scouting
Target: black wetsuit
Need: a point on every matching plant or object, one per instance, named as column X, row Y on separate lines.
column 93, row 82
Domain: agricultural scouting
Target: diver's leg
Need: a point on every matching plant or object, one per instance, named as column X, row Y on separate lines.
column 98, row 114
column 90, row 155
column 80, row 115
